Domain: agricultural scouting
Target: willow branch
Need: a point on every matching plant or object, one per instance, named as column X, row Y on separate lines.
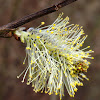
column 10, row 27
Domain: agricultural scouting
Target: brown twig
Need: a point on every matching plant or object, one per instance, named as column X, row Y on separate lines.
column 10, row 27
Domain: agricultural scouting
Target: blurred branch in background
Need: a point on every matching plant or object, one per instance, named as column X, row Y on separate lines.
column 6, row 31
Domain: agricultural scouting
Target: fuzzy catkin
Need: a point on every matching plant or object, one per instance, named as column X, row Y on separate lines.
column 55, row 56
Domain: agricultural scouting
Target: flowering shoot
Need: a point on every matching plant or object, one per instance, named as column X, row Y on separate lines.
column 55, row 56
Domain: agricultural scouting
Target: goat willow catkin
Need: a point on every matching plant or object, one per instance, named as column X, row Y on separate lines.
column 55, row 56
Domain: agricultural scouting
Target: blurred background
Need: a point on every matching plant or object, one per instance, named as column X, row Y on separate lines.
column 12, row 52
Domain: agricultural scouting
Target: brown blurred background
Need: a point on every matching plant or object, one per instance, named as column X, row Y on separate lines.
column 12, row 52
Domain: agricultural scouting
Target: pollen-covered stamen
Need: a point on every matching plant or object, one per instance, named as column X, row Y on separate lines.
column 22, row 72
column 55, row 57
